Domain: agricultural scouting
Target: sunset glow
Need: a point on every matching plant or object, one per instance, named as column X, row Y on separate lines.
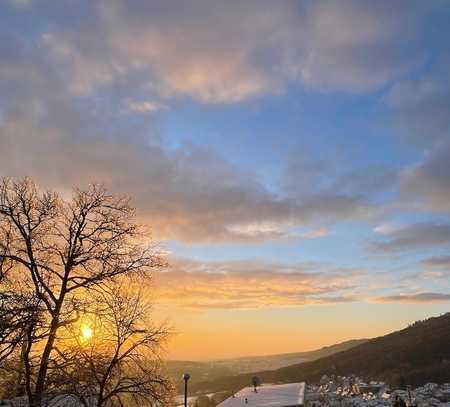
column 86, row 332
column 289, row 159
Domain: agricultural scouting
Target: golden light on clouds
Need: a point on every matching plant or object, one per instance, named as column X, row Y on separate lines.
column 252, row 285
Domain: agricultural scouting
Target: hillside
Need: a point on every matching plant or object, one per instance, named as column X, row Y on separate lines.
column 412, row 355
column 216, row 369
column 273, row 362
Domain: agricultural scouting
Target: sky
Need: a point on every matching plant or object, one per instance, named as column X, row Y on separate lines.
column 290, row 157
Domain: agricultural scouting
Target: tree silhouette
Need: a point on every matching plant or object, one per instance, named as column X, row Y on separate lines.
column 58, row 252
column 120, row 362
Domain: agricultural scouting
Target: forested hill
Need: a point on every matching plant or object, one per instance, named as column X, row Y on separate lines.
column 413, row 355
column 214, row 369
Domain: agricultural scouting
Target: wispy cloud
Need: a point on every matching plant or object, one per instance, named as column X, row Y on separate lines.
column 438, row 262
column 272, row 231
column 248, row 284
column 436, row 268
column 420, row 107
column 429, row 181
column 145, row 106
column 411, row 236
column 420, row 110
column 414, row 298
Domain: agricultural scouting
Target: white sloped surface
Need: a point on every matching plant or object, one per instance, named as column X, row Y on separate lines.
column 283, row 395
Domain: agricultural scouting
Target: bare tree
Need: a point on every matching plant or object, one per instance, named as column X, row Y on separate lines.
column 17, row 314
column 21, row 323
column 118, row 362
column 57, row 250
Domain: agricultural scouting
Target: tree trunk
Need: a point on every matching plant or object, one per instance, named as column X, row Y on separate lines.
column 19, row 390
column 39, row 390
column 26, row 363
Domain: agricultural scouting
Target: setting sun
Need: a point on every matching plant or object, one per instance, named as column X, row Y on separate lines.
column 86, row 332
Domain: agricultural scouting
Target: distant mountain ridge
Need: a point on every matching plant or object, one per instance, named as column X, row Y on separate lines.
column 414, row 355
column 215, row 369
column 285, row 359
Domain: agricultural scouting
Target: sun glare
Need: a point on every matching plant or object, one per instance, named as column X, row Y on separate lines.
column 86, row 332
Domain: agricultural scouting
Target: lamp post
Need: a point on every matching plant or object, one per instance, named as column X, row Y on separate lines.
column 256, row 381
column 186, row 377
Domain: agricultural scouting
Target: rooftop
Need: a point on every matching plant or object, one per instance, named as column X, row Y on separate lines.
column 270, row 395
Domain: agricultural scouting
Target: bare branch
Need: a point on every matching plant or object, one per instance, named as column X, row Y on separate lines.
column 56, row 251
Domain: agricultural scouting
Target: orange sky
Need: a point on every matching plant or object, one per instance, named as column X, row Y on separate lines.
column 214, row 334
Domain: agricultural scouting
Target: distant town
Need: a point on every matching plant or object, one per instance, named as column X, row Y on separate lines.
column 334, row 391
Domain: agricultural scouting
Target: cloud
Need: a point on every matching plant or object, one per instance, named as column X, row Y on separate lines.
column 354, row 45
column 226, row 53
column 437, row 267
column 441, row 261
column 221, row 53
column 21, row 3
column 419, row 109
column 388, row 229
column 420, row 106
column 55, row 133
column 429, row 180
column 413, row 236
column 190, row 193
column 146, row 106
column 268, row 230
column 313, row 234
column 330, row 171
column 83, row 70
column 62, row 91
column 250, row 284
column 421, row 298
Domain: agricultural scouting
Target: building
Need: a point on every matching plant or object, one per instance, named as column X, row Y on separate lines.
column 270, row 395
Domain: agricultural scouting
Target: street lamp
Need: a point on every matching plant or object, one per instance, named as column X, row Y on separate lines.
column 186, row 377
column 256, row 381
